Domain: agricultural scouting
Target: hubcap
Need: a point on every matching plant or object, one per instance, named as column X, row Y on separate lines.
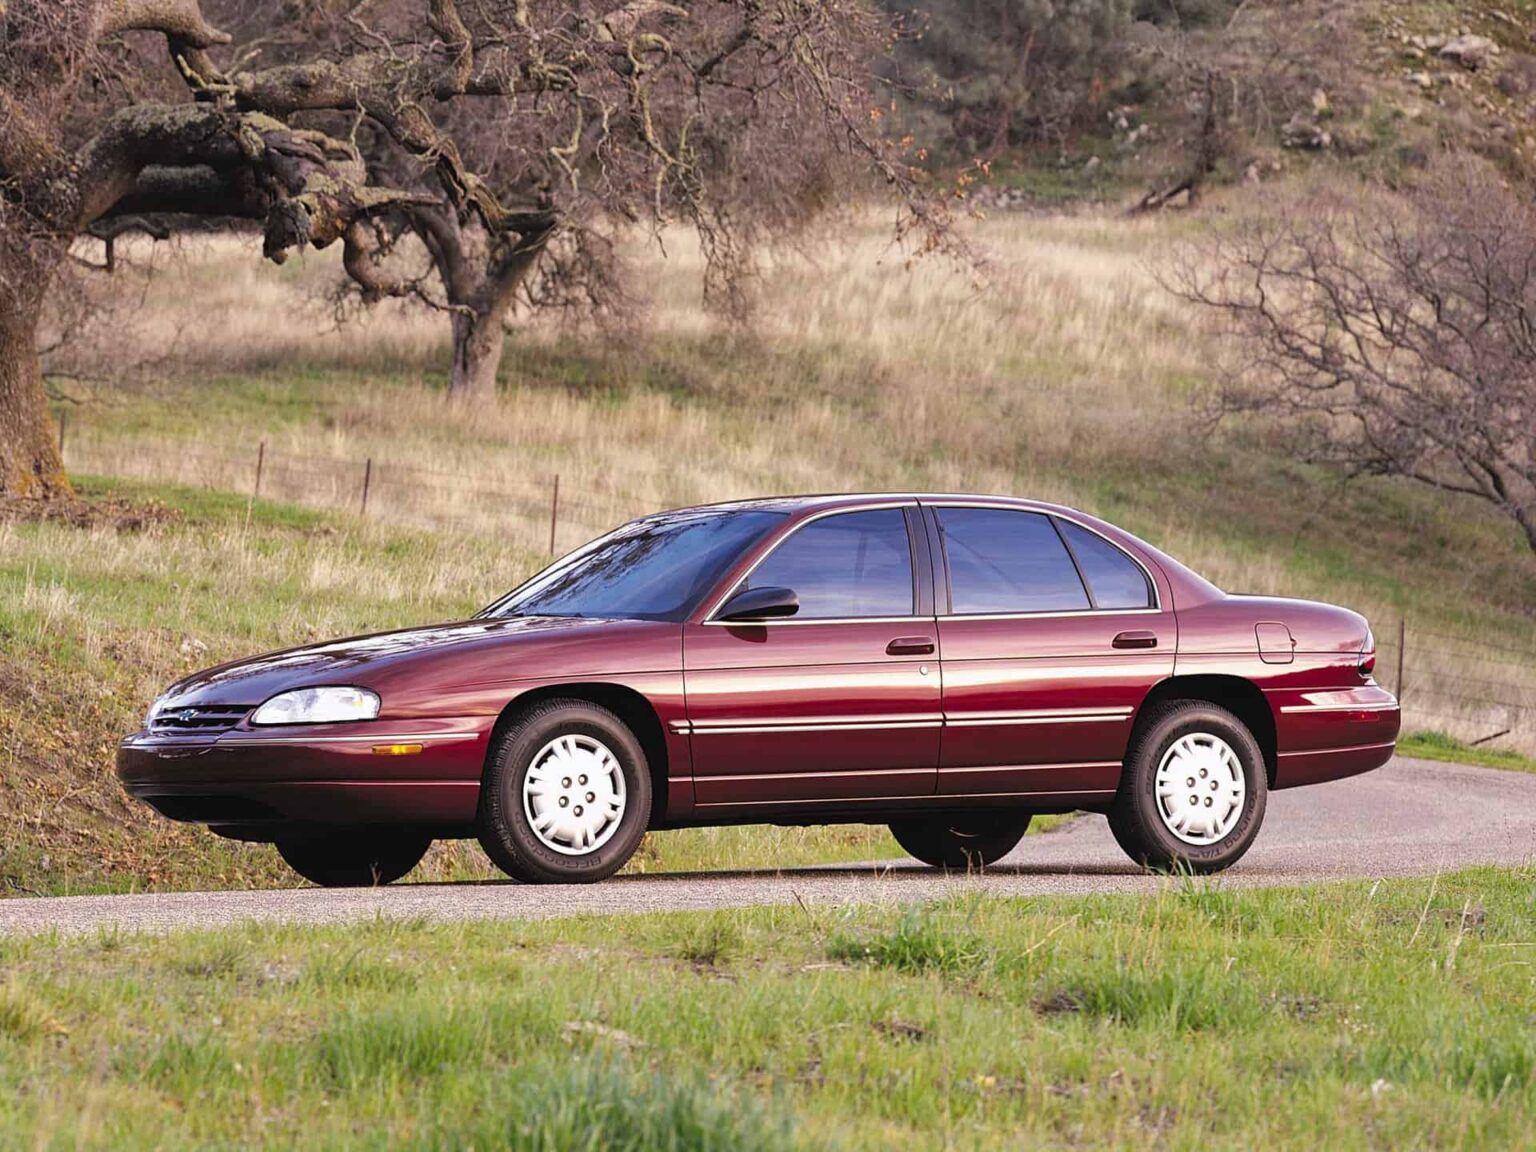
column 1200, row 788
column 573, row 795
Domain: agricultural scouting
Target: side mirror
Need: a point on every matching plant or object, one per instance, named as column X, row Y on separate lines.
column 760, row 604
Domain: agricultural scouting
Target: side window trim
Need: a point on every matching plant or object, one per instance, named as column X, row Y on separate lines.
column 949, row 583
column 1154, row 597
column 736, row 584
column 1082, row 577
column 922, row 563
column 944, row 601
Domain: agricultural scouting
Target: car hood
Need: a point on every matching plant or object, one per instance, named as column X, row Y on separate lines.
column 364, row 661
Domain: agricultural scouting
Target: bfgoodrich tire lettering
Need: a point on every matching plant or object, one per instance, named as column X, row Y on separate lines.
column 553, row 853
column 1144, row 827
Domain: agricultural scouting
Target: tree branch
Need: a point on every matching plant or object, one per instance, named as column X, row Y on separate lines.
column 180, row 20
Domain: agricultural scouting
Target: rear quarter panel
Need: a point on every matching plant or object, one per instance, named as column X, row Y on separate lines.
column 1330, row 722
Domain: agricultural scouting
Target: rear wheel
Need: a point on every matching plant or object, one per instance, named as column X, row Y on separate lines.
column 353, row 858
column 964, row 842
column 1193, row 792
column 567, row 795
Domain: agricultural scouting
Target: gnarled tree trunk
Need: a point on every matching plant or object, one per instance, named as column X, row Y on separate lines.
column 29, row 454
column 480, row 287
column 477, row 343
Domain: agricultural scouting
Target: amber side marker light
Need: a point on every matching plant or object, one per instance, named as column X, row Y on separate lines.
column 397, row 749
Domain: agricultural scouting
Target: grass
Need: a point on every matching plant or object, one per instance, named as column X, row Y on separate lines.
column 95, row 623
column 1439, row 746
column 1349, row 1016
column 1071, row 375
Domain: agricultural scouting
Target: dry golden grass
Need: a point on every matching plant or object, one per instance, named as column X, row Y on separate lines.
column 859, row 373
column 1071, row 376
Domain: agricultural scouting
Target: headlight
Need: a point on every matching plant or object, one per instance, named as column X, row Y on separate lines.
column 154, row 710
column 318, row 706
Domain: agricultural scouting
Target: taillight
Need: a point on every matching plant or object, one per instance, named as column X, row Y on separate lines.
column 1368, row 655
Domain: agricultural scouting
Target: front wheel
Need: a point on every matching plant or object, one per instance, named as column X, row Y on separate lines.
column 566, row 796
column 362, row 858
column 961, row 843
column 1193, row 791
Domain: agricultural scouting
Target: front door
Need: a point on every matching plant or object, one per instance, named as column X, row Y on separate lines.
column 840, row 702
column 1053, row 638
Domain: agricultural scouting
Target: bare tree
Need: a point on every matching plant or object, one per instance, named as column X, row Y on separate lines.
column 329, row 123
column 1394, row 339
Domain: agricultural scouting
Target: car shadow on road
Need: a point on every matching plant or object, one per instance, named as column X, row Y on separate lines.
column 898, row 873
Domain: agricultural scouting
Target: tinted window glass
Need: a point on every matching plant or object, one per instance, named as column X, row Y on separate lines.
column 658, row 568
column 1116, row 580
column 852, row 564
column 1002, row 561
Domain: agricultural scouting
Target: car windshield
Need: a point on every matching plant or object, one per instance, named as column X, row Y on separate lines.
column 658, row 568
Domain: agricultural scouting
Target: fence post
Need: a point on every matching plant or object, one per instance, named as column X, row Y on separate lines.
column 1402, row 644
column 554, row 513
column 261, row 460
column 367, row 480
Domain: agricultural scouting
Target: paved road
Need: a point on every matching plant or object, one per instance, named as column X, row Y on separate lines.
column 1411, row 817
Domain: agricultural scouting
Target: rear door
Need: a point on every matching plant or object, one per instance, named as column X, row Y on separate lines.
column 837, row 703
column 1051, row 637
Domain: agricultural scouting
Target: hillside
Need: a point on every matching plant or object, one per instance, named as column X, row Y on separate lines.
column 1070, row 376
column 1106, row 100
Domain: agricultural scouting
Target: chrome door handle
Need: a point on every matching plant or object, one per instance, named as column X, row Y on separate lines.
column 910, row 646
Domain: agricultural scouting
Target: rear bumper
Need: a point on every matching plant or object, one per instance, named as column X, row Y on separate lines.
column 1328, row 735
column 325, row 774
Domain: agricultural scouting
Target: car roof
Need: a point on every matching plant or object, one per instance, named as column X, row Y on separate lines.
column 833, row 500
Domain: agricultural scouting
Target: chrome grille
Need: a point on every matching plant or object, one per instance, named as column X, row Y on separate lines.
column 202, row 720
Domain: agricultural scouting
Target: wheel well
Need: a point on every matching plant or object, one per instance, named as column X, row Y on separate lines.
column 1240, row 697
column 625, row 703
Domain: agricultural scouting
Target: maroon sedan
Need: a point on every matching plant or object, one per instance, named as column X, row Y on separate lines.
column 949, row 665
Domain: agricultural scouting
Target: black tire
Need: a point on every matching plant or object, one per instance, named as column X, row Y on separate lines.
column 506, row 833
column 1136, row 819
column 961, row 843
column 353, row 858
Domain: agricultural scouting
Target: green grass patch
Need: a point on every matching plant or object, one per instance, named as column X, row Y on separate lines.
column 96, row 622
column 1439, row 746
column 1351, row 1016
column 919, row 941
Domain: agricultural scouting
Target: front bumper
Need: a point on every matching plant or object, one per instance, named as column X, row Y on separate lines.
column 312, row 773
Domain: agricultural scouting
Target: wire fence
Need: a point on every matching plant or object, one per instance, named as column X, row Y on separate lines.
column 539, row 510
column 1478, row 690
column 1470, row 687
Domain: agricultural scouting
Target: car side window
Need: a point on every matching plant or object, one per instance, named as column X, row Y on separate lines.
column 1115, row 579
column 854, row 564
column 1006, row 561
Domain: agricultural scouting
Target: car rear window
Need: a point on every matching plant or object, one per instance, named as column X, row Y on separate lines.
column 852, row 565
column 1115, row 579
column 1007, row 561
